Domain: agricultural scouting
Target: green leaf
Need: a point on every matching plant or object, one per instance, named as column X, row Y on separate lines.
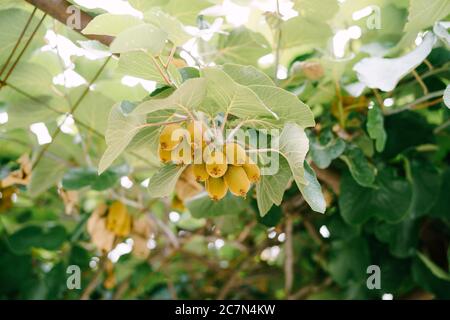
column 141, row 65
column 285, row 105
column 23, row 111
column 51, row 238
column 54, row 162
column 404, row 131
column 401, row 237
column 225, row 95
column 426, row 182
column 174, row 28
column 186, row 11
column 424, row 13
column 313, row 33
column 77, row 178
column 247, row 75
column 375, row 127
column 122, row 127
column 312, row 192
column 111, row 24
column 12, row 22
column 389, row 201
column 270, row 188
column 32, row 78
column 188, row 97
column 96, row 118
column 241, row 46
column 360, row 168
column 45, row 175
column 140, row 37
column 435, row 269
column 144, row 5
column 162, row 183
column 322, row 155
column 442, row 206
column 319, row 10
column 202, row 206
column 189, row 73
column 341, row 253
column 293, row 145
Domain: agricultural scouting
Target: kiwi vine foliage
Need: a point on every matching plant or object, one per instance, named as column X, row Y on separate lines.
column 364, row 151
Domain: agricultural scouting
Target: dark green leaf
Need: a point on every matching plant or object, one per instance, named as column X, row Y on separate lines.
column 360, row 168
column 389, row 201
column 77, row 178
column 375, row 127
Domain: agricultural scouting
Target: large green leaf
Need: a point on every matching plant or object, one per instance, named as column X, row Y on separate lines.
column 12, row 22
column 162, row 183
column 202, row 206
column 53, row 163
column 319, row 10
column 247, row 75
column 122, row 127
column 389, row 201
column 401, row 237
column 93, row 110
column 144, row 5
column 426, row 182
column 141, row 64
column 424, row 13
column 300, row 31
column 111, row 24
column 45, row 175
column 51, row 238
column 241, row 46
column 293, row 145
column 186, row 11
column 323, row 154
column 354, row 250
column 270, row 188
column 188, row 97
column 360, row 168
column 441, row 207
column 312, row 191
column 77, row 178
column 285, row 104
column 174, row 28
column 141, row 37
column 32, row 78
column 225, row 95
column 375, row 127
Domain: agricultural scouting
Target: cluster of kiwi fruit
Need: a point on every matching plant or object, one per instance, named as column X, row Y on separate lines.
column 221, row 166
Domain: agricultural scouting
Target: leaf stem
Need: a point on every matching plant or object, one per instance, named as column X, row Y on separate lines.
column 161, row 72
column 156, row 124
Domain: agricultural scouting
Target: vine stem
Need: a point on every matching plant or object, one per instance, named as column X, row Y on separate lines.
column 420, row 81
column 417, row 101
column 72, row 110
column 16, row 46
column 161, row 72
column 8, row 74
column 156, row 124
column 278, row 44
column 169, row 60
